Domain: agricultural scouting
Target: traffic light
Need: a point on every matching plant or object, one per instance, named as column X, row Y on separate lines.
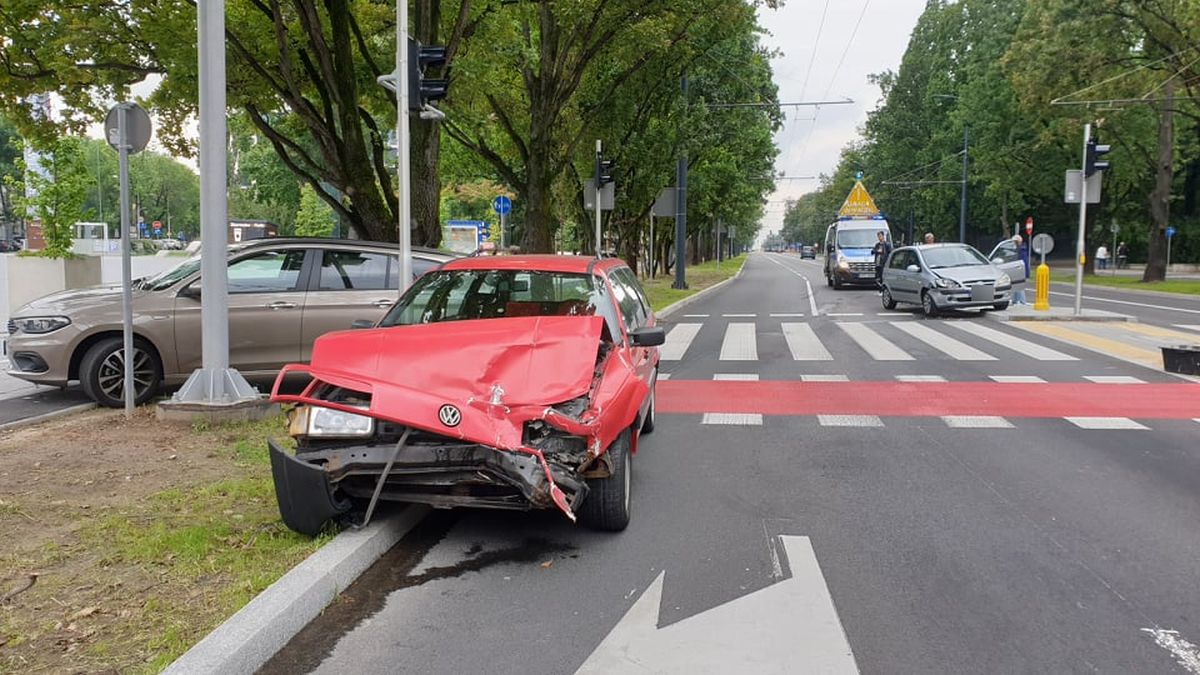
column 423, row 90
column 1092, row 162
column 604, row 170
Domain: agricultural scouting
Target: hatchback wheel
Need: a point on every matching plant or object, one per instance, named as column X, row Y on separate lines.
column 928, row 305
column 888, row 301
column 102, row 372
column 606, row 506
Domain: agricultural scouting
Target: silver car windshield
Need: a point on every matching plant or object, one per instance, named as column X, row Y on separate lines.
column 952, row 256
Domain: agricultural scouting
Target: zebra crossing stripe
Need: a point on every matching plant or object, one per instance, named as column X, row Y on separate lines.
column 678, row 341
column 740, row 343
column 1113, row 379
column 976, row 422
column 1022, row 346
column 920, row 378
column 872, row 343
column 736, row 377
column 735, row 419
column 959, row 351
column 1017, row 379
column 804, row 344
column 1104, row 423
column 849, row 421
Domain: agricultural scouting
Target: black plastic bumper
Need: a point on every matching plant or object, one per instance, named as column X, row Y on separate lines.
column 306, row 500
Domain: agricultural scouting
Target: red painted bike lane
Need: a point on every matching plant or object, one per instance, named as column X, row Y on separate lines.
column 931, row 399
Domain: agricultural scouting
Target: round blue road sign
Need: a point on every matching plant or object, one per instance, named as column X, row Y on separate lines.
column 1170, row 232
column 502, row 205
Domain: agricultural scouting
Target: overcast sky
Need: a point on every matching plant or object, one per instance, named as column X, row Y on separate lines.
column 811, row 52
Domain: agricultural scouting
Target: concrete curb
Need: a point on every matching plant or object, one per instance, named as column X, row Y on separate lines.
column 680, row 304
column 1059, row 314
column 249, row 638
column 17, row 424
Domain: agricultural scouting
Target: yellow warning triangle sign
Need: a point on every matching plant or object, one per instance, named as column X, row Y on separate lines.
column 858, row 203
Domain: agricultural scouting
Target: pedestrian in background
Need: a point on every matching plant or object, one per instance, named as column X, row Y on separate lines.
column 1122, row 255
column 881, row 250
column 928, row 237
column 1018, row 286
column 1102, row 257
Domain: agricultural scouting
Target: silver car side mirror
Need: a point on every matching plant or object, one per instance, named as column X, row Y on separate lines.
column 912, row 268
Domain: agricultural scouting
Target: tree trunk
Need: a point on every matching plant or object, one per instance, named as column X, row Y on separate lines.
column 1160, row 198
column 539, row 213
column 425, row 136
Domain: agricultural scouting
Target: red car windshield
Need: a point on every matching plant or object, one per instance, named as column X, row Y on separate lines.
column 460, row 295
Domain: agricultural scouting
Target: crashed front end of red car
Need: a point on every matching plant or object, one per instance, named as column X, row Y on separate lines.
column 510, row 413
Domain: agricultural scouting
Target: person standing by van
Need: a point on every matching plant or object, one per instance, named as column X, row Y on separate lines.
column 881, row 251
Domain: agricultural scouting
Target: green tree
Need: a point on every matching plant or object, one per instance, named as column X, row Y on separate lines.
column 315, row 218
column 54, row 193
column 11, row 145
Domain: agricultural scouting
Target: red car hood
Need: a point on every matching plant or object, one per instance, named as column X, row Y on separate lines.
column 534, row 360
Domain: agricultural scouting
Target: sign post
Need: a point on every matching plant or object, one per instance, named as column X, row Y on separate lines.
column 1080, row 245
column 127, row 128
column 502, row 205
column 1170, row 236
column 1112, row 253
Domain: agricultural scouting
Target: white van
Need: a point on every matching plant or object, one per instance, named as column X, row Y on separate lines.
column 848, row 257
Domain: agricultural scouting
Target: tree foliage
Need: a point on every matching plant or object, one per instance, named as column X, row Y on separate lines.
column 53, row 192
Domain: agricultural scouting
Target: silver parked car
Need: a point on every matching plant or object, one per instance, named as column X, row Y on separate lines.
column 283, row 294
column 944, row 276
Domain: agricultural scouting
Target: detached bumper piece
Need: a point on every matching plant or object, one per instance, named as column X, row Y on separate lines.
column 306, row 501
column 320, row 484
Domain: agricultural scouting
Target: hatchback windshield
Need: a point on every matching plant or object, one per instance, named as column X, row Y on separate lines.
column 458, row 295
column 953, row 256
column 857, row 238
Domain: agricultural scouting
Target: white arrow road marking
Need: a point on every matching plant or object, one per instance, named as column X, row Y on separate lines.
column 1185, row 653
column 788, row 627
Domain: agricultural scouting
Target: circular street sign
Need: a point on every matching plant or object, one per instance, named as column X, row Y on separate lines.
column 137, row 127
column 1170, row 232
column 1043, row 244
column 1028, row 226
column 1114, row 228
column 502, row 205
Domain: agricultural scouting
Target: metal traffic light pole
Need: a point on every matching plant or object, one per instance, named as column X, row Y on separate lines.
column 403, row 146
column 599, row 189
column 1080, row 244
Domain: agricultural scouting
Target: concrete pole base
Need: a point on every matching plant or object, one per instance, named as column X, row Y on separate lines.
column 216, row 395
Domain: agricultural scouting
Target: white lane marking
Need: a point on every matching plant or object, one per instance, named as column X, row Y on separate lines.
column 738, row 316
column 873, row 343
column 791, row 626
column 1024, row 347
column 826, row 378
column 740, row 343
column 920, row 378
column 736, row 377
column 678, row 341
column 812, row 300
column 1188, row 326
column 976, row 422
column 959, row 351
column 849, row 421
column 845, row 314
column 696, row 316
column 1113, row 379
column 1017, row 379
column 664, row 376
column 1186, row 654
column 1104, row 423
column 803, row 343
column 1128, row 302
column 735, row 419
column 785, row 315
column 892, row 314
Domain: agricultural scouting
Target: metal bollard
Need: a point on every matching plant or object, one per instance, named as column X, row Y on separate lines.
column 1041, row 301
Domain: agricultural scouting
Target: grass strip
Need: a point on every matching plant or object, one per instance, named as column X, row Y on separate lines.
column 699, row 277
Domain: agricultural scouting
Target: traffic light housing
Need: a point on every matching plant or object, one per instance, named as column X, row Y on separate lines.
column 1092, row 162
column 604, row 170
column 422, row 90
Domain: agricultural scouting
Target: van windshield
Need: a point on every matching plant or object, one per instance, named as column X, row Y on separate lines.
column 864, row 238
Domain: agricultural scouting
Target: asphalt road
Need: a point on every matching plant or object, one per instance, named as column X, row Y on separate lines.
column 1019, row 541
column 1163, row 309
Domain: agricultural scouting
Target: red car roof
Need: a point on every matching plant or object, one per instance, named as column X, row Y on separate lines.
column 542, row 263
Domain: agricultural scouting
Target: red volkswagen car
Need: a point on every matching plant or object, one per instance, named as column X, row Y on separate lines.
column 516, row 382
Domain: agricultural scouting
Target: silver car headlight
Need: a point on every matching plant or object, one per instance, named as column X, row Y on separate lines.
column 1003, row 280
column 38, row 325
column 320, row 422
column 942, row 282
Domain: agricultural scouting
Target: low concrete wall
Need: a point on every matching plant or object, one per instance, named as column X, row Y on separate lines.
column 142, row 266
column 30, row 277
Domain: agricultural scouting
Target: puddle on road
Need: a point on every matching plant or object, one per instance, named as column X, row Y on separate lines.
column 393, row 572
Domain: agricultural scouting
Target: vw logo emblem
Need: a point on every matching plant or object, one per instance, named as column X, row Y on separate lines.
column 449, row 415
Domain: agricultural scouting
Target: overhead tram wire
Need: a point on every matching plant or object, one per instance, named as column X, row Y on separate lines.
column 807, row 75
